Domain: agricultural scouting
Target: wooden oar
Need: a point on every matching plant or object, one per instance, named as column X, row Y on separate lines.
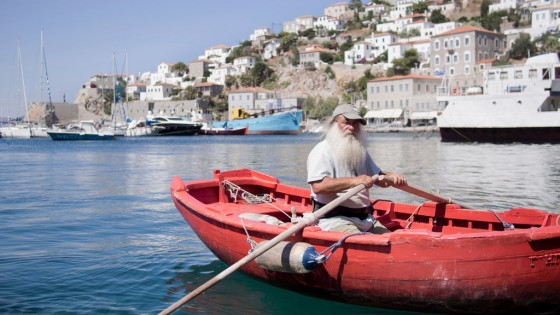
column 418, row 191
column 268, row 245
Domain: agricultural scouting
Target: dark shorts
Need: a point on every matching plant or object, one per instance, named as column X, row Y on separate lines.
column 361, row 213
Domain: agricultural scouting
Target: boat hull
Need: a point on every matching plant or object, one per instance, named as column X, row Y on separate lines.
column 224, row 131
column 526, row 134
column 176, row 130
column 283, row 123
column 487, row 271
column 69, row 136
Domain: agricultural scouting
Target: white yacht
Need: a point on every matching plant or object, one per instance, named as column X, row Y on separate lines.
column 517, row 103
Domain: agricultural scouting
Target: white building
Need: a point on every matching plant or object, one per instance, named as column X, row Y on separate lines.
column 242, row 64
column 133, row 90
column 375, row 9
column 504, row 5
column 339, row 10
column 158, row 92
column 260, row 33
column 361, row 52
column 271, row 48
column 218, row 75
column 300, row 24
column 328, row 23
column 217, row 54
column 381, row 42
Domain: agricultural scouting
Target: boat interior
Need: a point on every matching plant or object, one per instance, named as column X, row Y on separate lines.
column 277, row 203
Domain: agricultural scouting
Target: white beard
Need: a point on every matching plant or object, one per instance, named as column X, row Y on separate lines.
column 348, row 148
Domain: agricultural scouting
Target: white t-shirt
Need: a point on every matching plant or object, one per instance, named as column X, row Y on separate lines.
column 321, row 164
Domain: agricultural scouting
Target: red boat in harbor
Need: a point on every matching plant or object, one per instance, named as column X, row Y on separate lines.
column 438, row 258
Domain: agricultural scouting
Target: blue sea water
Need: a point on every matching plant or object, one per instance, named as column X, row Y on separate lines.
column 90, row 228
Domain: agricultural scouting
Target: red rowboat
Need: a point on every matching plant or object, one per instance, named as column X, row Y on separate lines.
column 438, row 257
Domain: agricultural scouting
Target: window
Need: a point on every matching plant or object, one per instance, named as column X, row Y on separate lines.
column 418, row 88
column 447, row 59
column 545, row 74
column 436, row 60
column 445, row 45
column 491, row 76
column 467, row 56
column 392, row 88
column 451, row 71
column 400, row 88
column 455, row 58
column 467, row 40
column 518, row 74
column 467, row 70
column 503, row 75
column 386, row 89
column 436, row 45
column 427, row 87
column 457, row 42
column 377, row 89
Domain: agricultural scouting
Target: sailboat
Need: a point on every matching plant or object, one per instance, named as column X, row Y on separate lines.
column 118, row 129
column 19, row 129
column 48, row 111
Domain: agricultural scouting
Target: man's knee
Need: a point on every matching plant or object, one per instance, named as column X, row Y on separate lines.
column 378, row 228
column 346, row 227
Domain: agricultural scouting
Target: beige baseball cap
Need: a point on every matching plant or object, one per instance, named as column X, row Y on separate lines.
column 349, row 112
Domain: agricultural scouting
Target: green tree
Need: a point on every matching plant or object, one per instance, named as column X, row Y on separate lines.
column 484, row 7
column 180, row 68
column 493, row 20
column 326, row 57
column 287, row 40
column 189, row 93
column 420, row 7
column 437, row 17
column 230, row 81
column 294, row 60
column 522, row 46
column 260, row 72
column 309, row 33
column 402, row 66
column 356, row 5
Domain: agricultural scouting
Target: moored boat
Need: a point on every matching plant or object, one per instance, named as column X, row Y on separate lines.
column 224, row 131
column 85, row 130
column 174, row 126
column 438, row 257
column 519, row 103
column 278, row 123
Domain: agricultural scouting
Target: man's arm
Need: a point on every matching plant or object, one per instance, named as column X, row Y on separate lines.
column 329, row 185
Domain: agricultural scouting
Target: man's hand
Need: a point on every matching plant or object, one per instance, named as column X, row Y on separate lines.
column 391, row 179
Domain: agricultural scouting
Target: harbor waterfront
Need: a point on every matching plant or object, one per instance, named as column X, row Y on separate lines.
column 89, row 227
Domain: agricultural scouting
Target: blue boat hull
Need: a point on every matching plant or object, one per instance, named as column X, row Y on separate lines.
column 284, row 123
column 76, row 136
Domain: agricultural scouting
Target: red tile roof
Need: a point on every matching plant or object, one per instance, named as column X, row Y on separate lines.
column 402, row 77
column 465, row 29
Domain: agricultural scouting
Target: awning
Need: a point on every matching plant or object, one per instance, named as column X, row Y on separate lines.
column 384, row 113
column 423, row 115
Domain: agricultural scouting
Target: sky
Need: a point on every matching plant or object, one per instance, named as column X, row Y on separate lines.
column 80, row 37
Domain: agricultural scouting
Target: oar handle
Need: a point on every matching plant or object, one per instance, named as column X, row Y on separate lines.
column 266, row 246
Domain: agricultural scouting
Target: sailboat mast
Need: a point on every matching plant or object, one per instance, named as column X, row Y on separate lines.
column 114, row 107
column 23, row 81
column 44, row 62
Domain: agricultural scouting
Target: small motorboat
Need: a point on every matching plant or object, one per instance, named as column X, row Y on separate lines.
column 84, row 130
column 438, row 257
column 209, row 130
